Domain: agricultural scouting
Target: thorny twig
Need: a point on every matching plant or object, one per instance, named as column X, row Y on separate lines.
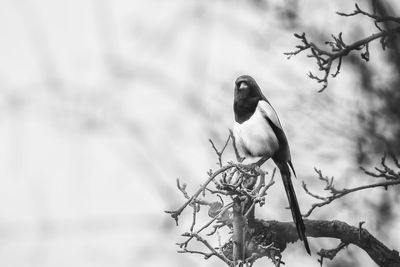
column 325, row 58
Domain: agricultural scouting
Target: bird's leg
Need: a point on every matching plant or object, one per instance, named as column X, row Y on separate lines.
column 256, row 165
column 261, row 161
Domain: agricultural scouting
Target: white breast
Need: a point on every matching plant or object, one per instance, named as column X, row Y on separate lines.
column 255, row 136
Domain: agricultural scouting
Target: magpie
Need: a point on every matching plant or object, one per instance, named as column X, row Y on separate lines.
column 259, row 133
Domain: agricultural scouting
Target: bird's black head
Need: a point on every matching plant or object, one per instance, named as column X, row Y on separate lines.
column 246, row 97
column 246, row 87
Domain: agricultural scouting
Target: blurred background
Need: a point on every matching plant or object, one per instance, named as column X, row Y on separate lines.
column 103, row 104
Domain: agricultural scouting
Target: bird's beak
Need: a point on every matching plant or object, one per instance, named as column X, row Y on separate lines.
column 243, row 86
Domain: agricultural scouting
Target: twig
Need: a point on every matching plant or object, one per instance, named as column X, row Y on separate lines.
column 175, row 213
column 330, row 253
column 219, row 153
column 238, row 157
column 339, row 49
column 213, row 252
column 184, row 244
column 377, row 18
column 386, row 172
column 336, row 193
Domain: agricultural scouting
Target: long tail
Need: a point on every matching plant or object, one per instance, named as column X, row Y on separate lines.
column 294, row 205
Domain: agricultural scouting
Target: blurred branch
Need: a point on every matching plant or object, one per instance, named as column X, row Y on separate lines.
column 325, row 58
column 40, row 44
column 391, row 176
column 107, row 34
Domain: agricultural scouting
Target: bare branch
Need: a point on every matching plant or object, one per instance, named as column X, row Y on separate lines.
column 378, row 252
column 359, row 11
column 213, row 251
column 252, row 239
column 219, row 153
column 225, row 209
column 330, row 253
column 338, row 193
column 238, row 157
column 325, row 58
column 175, row 213
column 385, row 171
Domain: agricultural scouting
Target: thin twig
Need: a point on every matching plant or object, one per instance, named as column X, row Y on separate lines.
column 339, row 49
column 175, row 213
column 336, row 193
column 213, row 251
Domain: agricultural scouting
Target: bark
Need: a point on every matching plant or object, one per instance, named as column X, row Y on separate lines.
column 282, row 233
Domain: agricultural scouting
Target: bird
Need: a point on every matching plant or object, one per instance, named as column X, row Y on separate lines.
column 259, row 133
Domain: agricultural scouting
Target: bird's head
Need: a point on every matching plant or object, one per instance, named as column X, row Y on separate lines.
column 246, row 87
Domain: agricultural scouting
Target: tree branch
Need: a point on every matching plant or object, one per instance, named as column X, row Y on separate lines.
column 359, row 11
column 347, row 234
column 250, row 238
column 175, row 213
column 391, row 176
column 343, row 192
column 339, row 49
column 213, row 251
